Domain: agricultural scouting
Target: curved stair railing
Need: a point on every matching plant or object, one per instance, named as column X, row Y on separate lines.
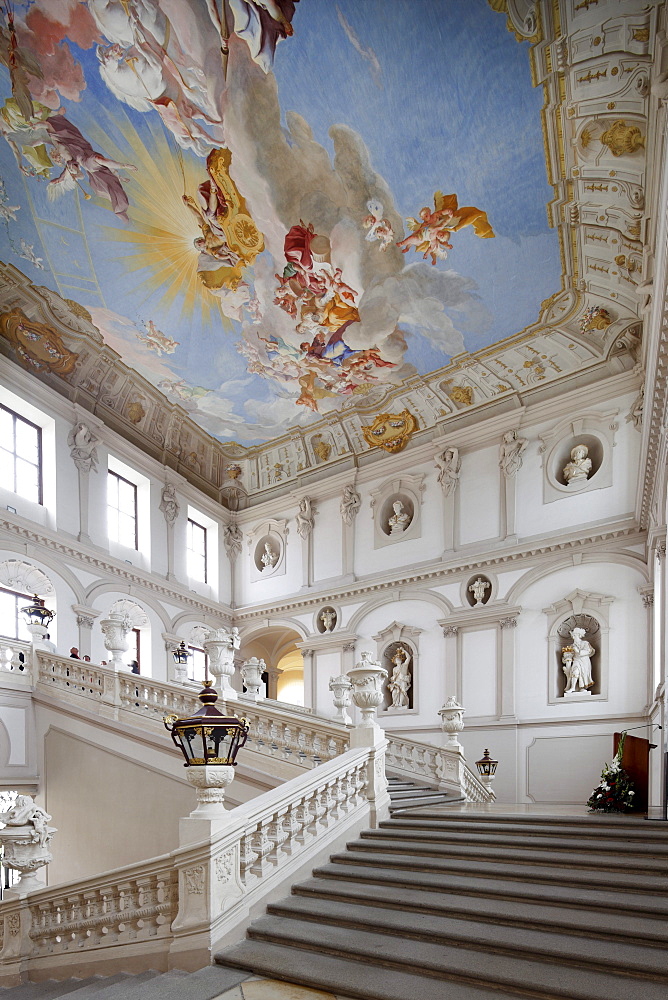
column 297, row 737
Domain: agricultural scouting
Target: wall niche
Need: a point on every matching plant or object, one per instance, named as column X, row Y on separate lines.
column 566, row 665
column 396, row 508
column 397, row 651
column 594, row 432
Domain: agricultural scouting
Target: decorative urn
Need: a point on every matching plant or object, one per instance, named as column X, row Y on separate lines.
column 341, row 688
column 251, row 672
column 367, row 679
column 452, row 722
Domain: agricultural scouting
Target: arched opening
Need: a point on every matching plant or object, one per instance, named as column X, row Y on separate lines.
column 284, row 678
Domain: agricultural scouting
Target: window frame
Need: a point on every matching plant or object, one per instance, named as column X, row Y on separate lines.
column 202, row 527
column 128, row 482
column 191, row 660
column 40, row 485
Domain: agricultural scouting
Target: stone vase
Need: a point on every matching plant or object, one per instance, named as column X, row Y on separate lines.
column 252, row 671
column 116, row 629
column 367, row 679
column 341, row 688
column 452, row 722
column 219, row 647
column 26, row 855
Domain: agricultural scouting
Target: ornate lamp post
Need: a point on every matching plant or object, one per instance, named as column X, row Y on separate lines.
column 486, row 769
column 181, row 656
column 38, row 617
column 209, row 741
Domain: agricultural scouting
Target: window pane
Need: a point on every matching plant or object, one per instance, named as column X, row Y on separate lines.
column 126, row 530
column 8, row 615
column 197, row 664
column 27, row 480
column 126, row 497
column 7, row 428
column 27, row 441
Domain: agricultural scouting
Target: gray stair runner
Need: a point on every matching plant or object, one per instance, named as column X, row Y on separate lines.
column 443, row 905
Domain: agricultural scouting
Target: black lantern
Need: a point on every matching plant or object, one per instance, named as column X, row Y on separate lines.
column 181, row 654
column 37, row 614
column 208, row 736
column 486, row 765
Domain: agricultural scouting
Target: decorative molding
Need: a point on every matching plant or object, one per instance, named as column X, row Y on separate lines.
column 18, row 574
column 508, row 623
column 102, row 563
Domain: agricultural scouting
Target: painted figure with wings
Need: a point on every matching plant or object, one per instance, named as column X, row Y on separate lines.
column 431, row 236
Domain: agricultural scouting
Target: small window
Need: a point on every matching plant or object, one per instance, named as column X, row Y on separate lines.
column 196, row 545
column 12, row 623
column 122, row 510
column 197, row 663
column 21, row 455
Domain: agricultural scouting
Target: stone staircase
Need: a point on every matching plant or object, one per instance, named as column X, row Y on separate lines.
column 445, row 905
column 408, row 795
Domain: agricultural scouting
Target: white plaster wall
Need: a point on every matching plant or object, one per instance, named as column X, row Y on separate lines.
column 479, row 671
column 327, row 562
column 479, row 495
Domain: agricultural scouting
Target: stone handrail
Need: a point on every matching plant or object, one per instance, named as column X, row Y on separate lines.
column 437, row 765
column 173, row 911
column 276, row 730
column 11, row 651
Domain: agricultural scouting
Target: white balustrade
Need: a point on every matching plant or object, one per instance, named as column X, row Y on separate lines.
column 11, row 651
column 199, row 896
column 437, row 765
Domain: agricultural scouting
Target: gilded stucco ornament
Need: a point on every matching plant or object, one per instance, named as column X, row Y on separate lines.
column 37, row 345
column 622, row 139
column 390, row 431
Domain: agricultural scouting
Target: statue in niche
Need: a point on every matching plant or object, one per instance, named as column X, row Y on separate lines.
column 328, row 619
column 400, row 682
column 269, row 558
column 350, row 503
column 576, row 660
column 83, row 447
column 478, row 588
column 399, row 520
column 448, row 464
column 579, row 467
column 169, row 505
column 305, row 519
column 25, row 812
column 511, row 450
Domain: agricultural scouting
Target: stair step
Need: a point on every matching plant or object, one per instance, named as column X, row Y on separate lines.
column 46, row 989
column 396, row 829
column 345, row 977
column 94, row 988
column 482, row 868
column 598, row 862
column 447, row 962
column 413, row 793
column 205, row 984
column 508, row 888
column 522, row 913
column 112, row 989
column 591, row 826
column 567, row 949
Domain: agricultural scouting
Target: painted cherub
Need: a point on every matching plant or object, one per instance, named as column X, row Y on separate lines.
column 430, row 237
column 379, row 228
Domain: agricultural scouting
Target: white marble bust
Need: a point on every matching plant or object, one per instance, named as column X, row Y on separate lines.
column 399, row 520
column 269, row 558
column 579, row 467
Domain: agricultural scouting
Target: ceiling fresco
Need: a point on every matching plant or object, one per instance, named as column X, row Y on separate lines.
column 270, row 208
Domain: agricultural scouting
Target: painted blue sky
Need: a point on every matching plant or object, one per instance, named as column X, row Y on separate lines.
column 439, row 92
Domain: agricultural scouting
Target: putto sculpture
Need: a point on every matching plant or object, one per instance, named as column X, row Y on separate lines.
column 478, row 588
column 511, row 450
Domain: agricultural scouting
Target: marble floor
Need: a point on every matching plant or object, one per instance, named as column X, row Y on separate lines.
column 257, row 988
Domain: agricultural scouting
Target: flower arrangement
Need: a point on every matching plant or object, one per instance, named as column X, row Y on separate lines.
column 615, row 792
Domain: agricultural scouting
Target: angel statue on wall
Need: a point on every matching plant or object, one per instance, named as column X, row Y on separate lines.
column 400, row 681
column 83, row 447
column 350, row 503
column 449, row 465
column 511, row 450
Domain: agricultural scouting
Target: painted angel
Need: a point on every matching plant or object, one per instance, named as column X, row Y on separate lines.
column 378, row 228
column 431, row 236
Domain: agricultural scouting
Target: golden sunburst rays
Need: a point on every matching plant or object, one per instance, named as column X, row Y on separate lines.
column 159, row 238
